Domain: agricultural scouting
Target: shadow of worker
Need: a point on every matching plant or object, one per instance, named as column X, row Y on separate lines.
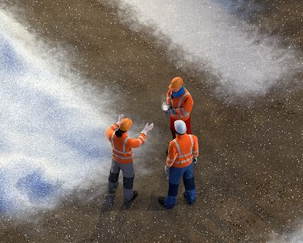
column 108, row 202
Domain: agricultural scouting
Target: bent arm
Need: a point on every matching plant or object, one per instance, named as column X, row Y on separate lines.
column 168, row 97
column 186, row 108
column 136, row 142
column 110, row 130
column 196, row 147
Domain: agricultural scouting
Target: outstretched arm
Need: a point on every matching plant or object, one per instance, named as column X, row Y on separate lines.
column 136, row 142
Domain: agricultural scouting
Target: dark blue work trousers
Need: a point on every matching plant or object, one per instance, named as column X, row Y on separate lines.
column 175, row 175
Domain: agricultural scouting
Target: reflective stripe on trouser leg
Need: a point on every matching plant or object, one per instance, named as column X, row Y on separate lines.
column 128, row 188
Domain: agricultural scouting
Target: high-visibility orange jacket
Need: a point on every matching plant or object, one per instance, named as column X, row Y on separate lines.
column 122, row 146
column 182, row 105
column 182, row 150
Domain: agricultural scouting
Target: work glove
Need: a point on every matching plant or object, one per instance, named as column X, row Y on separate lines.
column 177, row 111
column 166, row 169
column 172, row 111
column 195, row 160
column 120, row 119
column 167, row 109
column 147, row 128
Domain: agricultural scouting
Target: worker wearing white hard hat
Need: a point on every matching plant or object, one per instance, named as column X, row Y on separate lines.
column 183, row 152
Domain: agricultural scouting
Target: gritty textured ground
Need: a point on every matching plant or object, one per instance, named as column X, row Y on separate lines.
column 249, row 174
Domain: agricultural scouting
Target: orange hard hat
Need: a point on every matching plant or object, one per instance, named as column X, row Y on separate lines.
column 176, row 83
column 125, row 124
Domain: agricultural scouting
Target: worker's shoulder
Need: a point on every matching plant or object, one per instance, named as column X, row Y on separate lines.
column 194, row 136
column 187, row 95
column 186, row 92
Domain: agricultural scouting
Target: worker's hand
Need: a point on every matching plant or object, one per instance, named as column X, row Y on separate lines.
column 120, row 119
column 167, row 109
column 172, row 111
column 166, row 169
column 195, row 160
column 177, row 111
column 147, row 128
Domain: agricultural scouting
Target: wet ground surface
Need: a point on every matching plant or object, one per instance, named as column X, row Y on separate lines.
column 248, row 177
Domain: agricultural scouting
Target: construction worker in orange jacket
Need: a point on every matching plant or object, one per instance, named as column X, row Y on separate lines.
column 122, row 155
column 179, row 104
column 183, row 152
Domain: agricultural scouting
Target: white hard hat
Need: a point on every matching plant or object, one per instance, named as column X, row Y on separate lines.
column 180, row 126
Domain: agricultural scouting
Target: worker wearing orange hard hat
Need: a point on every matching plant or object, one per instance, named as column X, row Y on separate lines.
column 179, row 104
column 122, row 155
column 183, row 152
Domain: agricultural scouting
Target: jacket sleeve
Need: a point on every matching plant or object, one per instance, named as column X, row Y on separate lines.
column 168, row 97
column 136, row 142
column 110, row 130
column 187, row 106
column 172, row 154
column 188, row 103
column 196, row 147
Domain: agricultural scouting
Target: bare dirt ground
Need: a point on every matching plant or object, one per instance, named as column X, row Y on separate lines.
column 249, row 174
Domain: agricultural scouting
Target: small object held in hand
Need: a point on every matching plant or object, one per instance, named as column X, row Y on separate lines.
column 165, row 106
column 166, row 109
column 166, row 169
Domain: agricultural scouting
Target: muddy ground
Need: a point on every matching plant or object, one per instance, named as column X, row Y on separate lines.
column 249, row 174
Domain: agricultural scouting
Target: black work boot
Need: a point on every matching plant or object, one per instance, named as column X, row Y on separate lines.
column 161, row 200
column 127, row 204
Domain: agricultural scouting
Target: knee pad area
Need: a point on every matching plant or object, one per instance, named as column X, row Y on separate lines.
column 173, row 189
column 189, row 184
column 128, row 182
column 113, row 177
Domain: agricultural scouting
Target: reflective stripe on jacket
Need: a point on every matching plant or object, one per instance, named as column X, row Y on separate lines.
column 182, row 105
column 182, row 150
column 122, row 146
